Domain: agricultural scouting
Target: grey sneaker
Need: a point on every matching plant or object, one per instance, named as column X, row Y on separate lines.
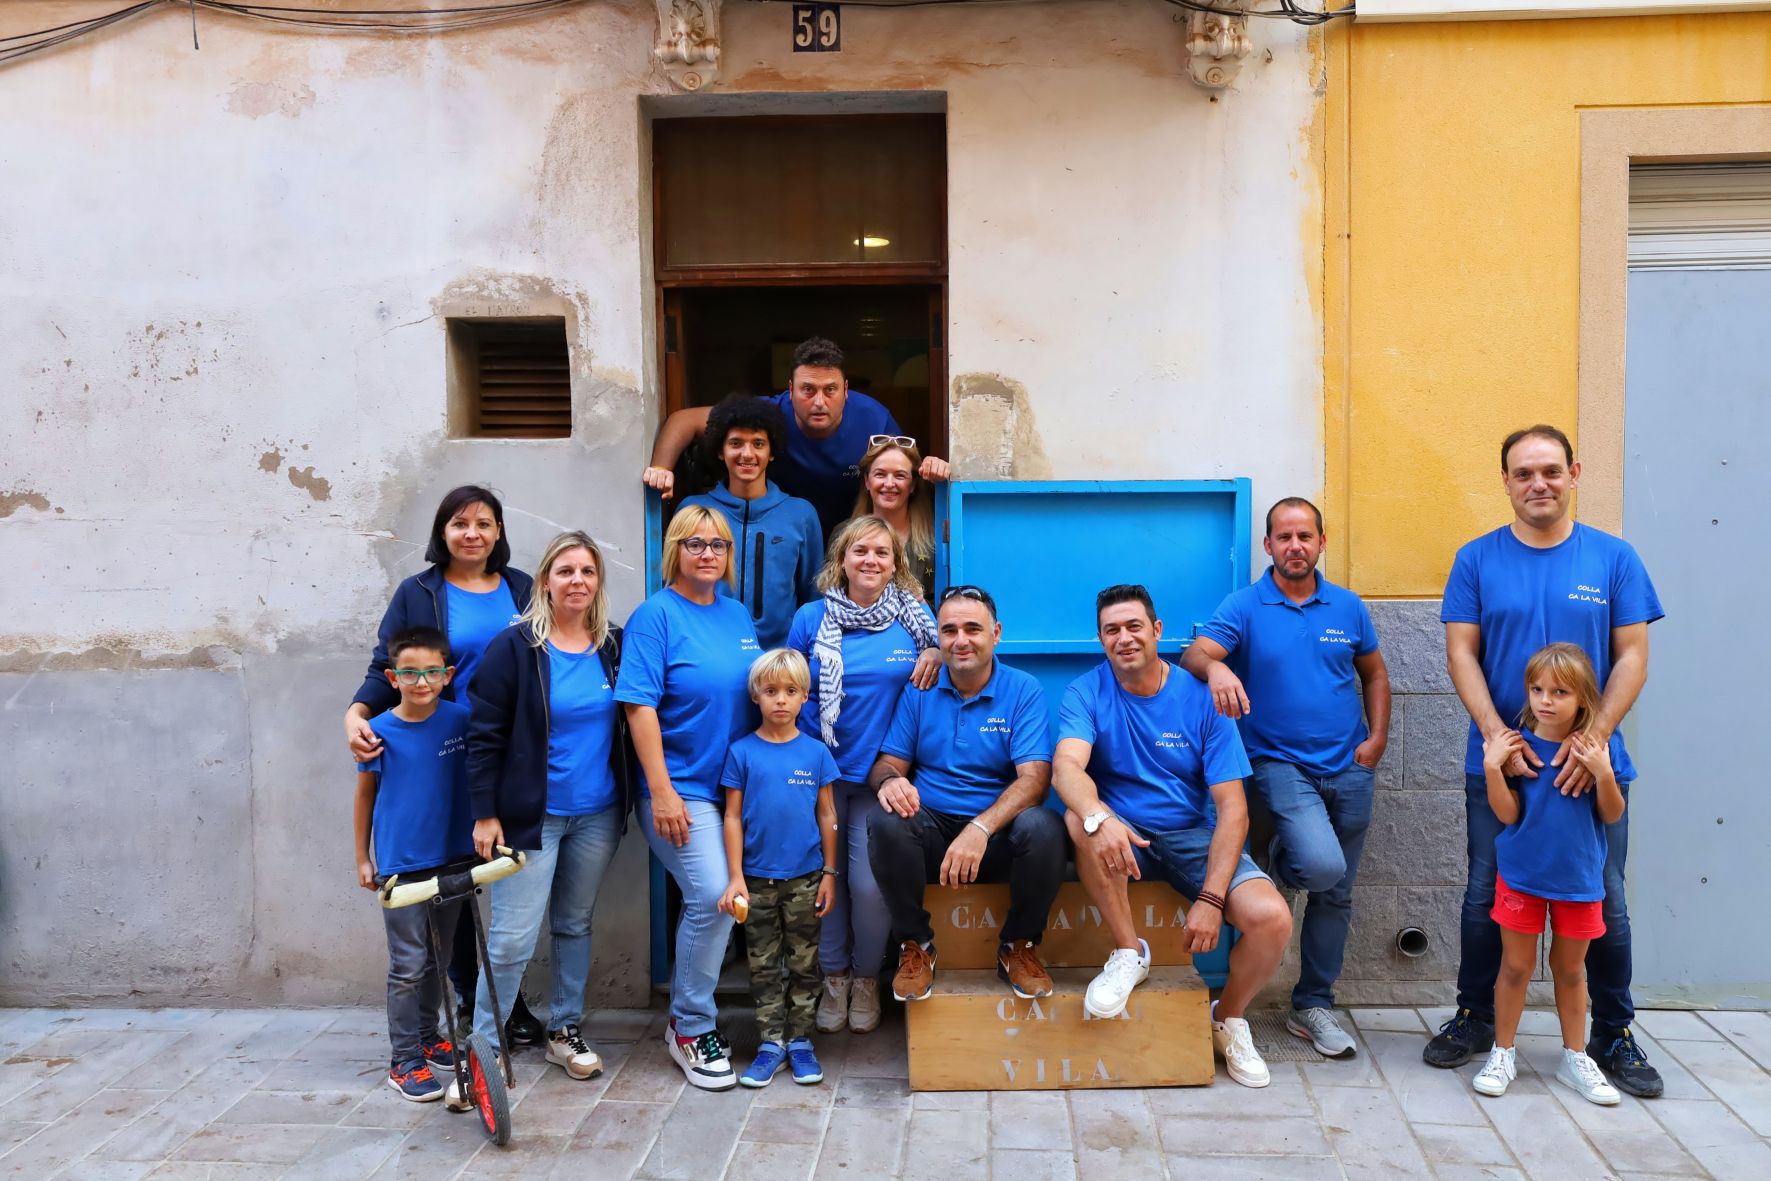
column 1583, row 1076
column 1321, row 1030
column 833, row 1006
column 863, row 1006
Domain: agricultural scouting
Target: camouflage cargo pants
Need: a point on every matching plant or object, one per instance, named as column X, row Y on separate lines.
column 782, row 933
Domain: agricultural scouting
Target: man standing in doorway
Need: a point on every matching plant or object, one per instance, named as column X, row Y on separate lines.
column 1288, row 657
column 829, row 427
column 1143, row 761
column 1541, row 579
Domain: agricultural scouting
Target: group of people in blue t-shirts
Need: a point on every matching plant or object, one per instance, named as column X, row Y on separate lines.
column 807, row 738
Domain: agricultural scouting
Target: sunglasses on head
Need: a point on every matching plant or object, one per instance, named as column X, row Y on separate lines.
column 968, row 591
column 900, row 440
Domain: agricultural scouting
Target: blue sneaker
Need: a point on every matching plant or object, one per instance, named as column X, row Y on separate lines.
column 414, row 1081
column 804, row 1062
column 440, row 1053
column 770, row 1058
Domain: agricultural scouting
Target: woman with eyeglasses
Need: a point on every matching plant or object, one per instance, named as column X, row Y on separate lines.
column 892, row 490
column 865, row 639
column 550, row 770
column 689, row 651
column 470, row 593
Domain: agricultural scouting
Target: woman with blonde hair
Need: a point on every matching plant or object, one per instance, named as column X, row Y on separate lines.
column 550, row 770
column 689, row 651
column 869, row 636
column 892, row 491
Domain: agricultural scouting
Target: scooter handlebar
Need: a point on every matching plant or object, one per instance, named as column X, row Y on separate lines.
column 394, row 893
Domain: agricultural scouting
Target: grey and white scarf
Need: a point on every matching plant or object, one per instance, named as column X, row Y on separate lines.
column 842, row 615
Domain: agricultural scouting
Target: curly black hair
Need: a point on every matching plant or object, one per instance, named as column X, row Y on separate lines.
column 741, row 412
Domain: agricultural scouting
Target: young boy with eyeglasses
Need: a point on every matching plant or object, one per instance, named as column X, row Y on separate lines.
column 412, row 800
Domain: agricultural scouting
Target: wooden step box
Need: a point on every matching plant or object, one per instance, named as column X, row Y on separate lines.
column 968, row 925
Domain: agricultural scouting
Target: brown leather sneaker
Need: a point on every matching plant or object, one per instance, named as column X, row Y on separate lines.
column 916, row 972
column 1018, row 963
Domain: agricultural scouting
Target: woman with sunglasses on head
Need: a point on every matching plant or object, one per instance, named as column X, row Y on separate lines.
column 550, row 771
column 683, row 685
column 470, row 593
column 892, row 490
column 866, row 638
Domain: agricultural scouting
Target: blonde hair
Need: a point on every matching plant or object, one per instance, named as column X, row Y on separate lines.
column 539, row 614
column 920, row 504
column 1566, row 665
column 779, row 666
column 689, row 521
column 835, row 577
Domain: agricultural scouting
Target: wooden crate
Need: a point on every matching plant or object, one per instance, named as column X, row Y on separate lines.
column 968, row 925
column 974, row 1034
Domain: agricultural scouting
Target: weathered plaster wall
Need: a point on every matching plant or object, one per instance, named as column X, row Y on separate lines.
column 225, row 378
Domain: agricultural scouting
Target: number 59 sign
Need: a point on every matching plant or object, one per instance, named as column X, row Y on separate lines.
column 817, row 28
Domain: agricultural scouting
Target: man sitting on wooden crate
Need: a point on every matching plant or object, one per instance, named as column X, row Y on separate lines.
column 1140, row 750
column 980, row 744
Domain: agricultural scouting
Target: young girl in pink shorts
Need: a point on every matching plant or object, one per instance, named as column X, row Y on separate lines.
column 1552, row 859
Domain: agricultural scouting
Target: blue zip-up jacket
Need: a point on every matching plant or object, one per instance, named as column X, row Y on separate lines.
column 508, row 732
column 780, row 549
column 420, row 601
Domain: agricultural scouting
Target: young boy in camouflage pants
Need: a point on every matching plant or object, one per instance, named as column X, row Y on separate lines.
column 780, row 830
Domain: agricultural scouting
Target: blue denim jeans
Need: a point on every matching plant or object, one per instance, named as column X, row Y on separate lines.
column 414, row 993
column 1179, row 858
column 559, row 882
column 853, row 934
column 1319, row 824
column 1609, row 967
column 699, row 868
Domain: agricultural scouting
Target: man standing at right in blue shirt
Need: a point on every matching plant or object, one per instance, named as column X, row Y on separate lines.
column 1542, row 579
column 1301, row 650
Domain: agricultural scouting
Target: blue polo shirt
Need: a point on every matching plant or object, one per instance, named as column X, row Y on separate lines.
column 875, row 669
column 1296, row 661
column 1557, row 850
column 580, row 734
column 421, row 818
column 1154, row 758
column 780, row 782
column 474, row 618
column 690, row 663
column 1524, row 598
column 826, row 471
column 964, row 752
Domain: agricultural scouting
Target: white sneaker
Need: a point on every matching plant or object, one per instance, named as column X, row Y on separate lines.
column 706, row 1061
column 453, row 1099
column 1124, row 971
column 1497, row 1073
column 565, row 1048
column 833, row 1006
column 864, row 1005
column 1321, row 1030
column 1233, row 1043
column 1582, row 1074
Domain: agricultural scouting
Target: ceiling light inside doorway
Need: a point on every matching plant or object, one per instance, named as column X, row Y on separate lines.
column 872, row 243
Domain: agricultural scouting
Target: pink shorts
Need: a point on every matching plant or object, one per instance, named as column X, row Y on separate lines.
column 1524, row 913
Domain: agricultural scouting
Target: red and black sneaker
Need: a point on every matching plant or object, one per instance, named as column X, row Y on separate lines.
column 440, row 1053
column 414, row 1081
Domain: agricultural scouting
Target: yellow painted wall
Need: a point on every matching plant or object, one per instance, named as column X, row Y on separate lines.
column 1451, row 290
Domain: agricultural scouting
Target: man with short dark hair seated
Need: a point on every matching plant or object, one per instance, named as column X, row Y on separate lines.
column 1142, row 758
column 960, row 778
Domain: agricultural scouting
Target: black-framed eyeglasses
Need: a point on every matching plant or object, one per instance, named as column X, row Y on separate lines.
column 411, row 676
column 900, row 440
column 966, row 590
column 697, row 545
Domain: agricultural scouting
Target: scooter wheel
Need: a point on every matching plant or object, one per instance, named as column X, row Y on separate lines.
column 486, row 1081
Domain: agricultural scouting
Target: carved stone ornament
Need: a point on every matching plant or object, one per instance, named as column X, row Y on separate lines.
column 1216, row 45
column 688, row 41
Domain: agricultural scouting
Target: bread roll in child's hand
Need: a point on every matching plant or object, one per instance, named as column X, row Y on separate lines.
column 740, row 908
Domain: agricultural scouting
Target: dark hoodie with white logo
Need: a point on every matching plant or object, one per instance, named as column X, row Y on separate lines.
column 778, row 549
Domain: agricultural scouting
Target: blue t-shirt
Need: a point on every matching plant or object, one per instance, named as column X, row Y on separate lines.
column 1296, row 661
column 421, row 818
column 964, row 752
column 474, row 618
column 826, row 471
column 580, row 733
column 690, row 662
column 1154, row 758
column 780, row 782
column 1524, row 598
column 875, row 668
column 1557, row 850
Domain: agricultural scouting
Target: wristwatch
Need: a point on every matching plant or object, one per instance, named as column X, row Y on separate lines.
column 1091, row 824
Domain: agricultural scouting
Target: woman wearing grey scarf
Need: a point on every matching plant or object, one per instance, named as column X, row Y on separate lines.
column 868, row 637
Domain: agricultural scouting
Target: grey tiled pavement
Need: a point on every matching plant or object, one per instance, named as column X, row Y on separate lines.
column 218, row 1095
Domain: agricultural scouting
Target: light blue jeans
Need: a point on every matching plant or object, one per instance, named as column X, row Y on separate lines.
column 559, row 882
column 853, row 934
column 699, row 868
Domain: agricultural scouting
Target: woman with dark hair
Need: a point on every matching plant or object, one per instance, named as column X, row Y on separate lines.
column 550, row 771
column 891, row 490
column 866, row 638
column 470, row 593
